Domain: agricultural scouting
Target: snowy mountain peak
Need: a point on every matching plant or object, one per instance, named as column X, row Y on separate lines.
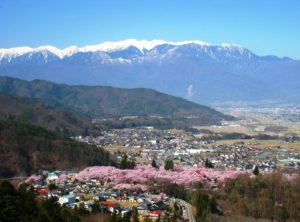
column 195, row 70
column 69, row 51
column 48, row 48
column 14, row 52
column 121, row 45
column 142, row 45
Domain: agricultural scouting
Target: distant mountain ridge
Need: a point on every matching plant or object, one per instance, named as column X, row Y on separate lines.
column 143, row 46
column 195, row 70
column 107, row 102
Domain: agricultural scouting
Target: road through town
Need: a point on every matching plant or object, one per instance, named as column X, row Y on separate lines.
column 188, row 208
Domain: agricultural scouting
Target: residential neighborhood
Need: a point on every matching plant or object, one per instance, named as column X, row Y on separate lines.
column 147, row 144
column 94, row 195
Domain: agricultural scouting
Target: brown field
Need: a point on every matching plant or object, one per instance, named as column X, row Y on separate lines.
column 261, row 143
column 128, row 204
column 128, row 150
column 141, row 160
column 228, row 129
column 116, row 148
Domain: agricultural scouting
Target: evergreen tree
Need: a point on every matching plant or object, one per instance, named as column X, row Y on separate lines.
column 125, row 218
column 169, row 165
column 96, row 207
column 147, row 219
column 52, row 186
column 135, row 215
column 153, row 164
column 81, row 209
column 256, row 171
column 21, row 205
column 127, row 164
column 201, row 203
column 132, row 165
column 208, row 164
column 204, row 203
column 176, row 209
column 119, row 217
column 124, row 162
column 113, row 217
column 158, row 219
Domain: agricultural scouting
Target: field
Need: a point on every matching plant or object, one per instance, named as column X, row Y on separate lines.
column 261, row 143
column 228, row 129
column 116, row 148
column 128, row 150
column 125, row 204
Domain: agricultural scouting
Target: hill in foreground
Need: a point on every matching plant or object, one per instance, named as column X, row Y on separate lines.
column 25, row 149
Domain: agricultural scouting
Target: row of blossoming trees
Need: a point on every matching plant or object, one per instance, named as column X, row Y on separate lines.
column 139, row 177
column 272, row 196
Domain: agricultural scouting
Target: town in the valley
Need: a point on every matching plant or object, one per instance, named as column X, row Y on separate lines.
column 195, row 155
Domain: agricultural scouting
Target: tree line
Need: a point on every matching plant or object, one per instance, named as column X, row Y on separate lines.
column 272, row 197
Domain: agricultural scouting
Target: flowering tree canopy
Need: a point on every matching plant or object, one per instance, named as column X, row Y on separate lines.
column 142, row 173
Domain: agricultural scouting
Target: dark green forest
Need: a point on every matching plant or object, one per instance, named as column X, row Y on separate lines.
column 23, row 205
column 26, row 148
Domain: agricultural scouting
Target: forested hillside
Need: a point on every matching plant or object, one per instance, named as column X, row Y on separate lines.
column 33, row 112
column 25, row 149
column 104, row 102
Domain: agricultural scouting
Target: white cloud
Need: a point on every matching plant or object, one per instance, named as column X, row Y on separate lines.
column 190, row 91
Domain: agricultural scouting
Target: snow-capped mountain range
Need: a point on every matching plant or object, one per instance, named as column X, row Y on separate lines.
column 143, row 46
column 200, row 71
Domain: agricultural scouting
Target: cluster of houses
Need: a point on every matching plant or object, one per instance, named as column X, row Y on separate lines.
column 94, row 194
column 243, row 156
column 191, row 150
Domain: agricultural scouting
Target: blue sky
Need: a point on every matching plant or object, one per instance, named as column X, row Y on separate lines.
column 263, row 26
